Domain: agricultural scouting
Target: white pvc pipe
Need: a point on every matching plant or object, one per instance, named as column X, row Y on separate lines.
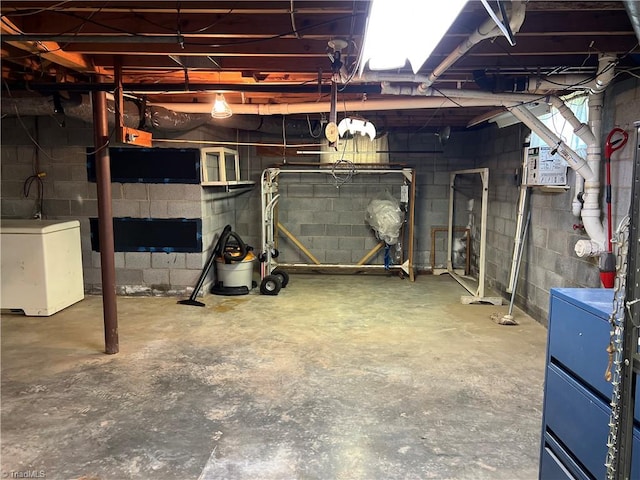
column 574, row 160
column 351, row 106
column 378, row 76
column 576, row 204
column 553, row 83
column 592, row 140
column 606, row 72
column 591, row 211
column 487, row 30
column 514, row 98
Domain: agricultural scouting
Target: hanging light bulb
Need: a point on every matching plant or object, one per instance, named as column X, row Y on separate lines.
column 221, row 108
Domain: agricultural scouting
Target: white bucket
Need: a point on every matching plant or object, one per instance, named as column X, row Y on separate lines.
column 235, row 274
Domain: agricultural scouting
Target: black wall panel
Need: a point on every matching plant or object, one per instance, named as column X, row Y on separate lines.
column 152, row 234
column 150, row 165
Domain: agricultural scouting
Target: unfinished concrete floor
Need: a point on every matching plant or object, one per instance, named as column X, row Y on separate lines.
column 338, row 377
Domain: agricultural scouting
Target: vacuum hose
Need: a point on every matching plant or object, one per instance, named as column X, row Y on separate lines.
column 231, row 252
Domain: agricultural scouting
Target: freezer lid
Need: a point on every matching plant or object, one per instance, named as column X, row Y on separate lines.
column 31, row 227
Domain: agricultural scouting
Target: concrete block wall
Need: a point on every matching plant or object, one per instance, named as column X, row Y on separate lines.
column 433, row 163
column 327, row 215
column 330, row 220
column 549, row 259
column 69, row 195
column 622, row 109
column 156, row 273
column 310, row 210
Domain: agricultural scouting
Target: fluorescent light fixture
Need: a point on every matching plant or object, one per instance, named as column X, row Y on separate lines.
column 401, row 30
column 221, row 108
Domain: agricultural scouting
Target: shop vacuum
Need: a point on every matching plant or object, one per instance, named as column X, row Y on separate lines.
column 234, row 262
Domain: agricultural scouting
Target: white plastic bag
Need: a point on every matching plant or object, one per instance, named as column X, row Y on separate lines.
column 385, row 217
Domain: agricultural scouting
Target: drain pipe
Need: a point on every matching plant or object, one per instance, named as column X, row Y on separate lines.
column 586, row 134
column 594, row 148
column 588, row 169
column 591, row 211
column 588, row 191
column 575, row 161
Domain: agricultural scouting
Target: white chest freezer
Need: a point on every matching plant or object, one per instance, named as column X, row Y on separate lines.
column 41, row 265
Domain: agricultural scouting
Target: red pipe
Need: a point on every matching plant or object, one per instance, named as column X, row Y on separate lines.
column 105, row 222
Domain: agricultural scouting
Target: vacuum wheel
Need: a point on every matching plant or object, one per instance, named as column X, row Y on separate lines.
column 284, row 277
column 270, row 285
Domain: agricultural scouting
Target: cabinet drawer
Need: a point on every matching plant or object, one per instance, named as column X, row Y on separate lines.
column 551, row 468
column 578, row 340
column 558, row 461
column 581, row 422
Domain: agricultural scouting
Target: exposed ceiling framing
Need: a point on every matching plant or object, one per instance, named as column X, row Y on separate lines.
column 277, row 51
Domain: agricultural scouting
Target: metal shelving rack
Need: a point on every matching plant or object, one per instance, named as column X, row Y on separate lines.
column 270, row 225
column 631, row 332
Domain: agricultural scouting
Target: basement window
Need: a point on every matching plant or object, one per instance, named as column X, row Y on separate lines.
column 579, row 105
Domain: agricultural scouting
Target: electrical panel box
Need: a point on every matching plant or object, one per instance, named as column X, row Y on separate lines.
column 544, row 168
column 221, row 167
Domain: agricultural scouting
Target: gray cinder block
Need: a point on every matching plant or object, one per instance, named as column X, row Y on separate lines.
column 135, row 191
column 184, row 209
column 168, row 260
column 140, row 260
column 179, row 277
column 155, row 276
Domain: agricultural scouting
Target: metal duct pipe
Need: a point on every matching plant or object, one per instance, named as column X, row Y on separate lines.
column 80, row 107
column 633, row 10
column 156, row 117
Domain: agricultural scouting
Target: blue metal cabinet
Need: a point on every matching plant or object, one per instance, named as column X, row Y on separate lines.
column 576, row 398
